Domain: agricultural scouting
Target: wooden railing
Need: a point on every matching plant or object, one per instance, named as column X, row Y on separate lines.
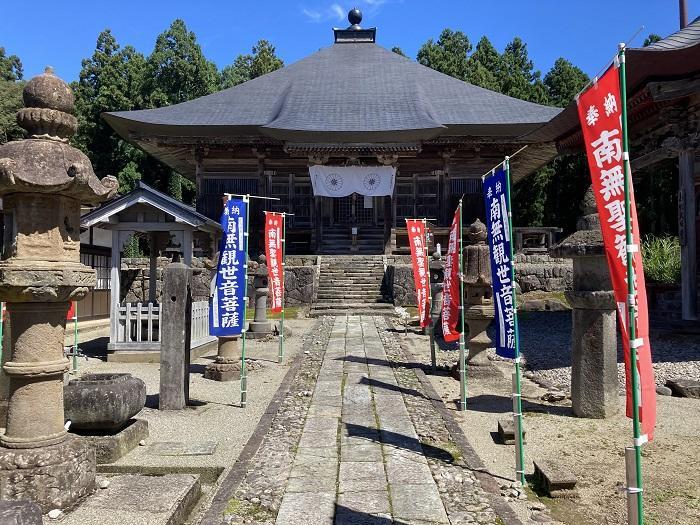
column 139, row 324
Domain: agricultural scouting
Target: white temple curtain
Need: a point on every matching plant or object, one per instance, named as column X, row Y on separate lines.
column 341, row 181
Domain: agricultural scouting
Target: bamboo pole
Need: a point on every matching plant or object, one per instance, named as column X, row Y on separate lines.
column 429, row 306
column 75, row 337
column 517, row 393
column 462, row 357
column 280, row 357
column 244, row 378
column 631, row 297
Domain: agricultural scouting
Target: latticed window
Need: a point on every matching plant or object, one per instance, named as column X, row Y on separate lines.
column 405, row 201
column 427, row 198
column 102, row 264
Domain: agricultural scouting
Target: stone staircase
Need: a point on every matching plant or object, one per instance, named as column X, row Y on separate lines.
column 337, row 240
column 351, row 284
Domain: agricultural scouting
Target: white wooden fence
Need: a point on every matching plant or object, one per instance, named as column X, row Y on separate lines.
column 139, row 323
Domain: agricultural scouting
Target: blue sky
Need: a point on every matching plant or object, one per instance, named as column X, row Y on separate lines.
column 62, row 33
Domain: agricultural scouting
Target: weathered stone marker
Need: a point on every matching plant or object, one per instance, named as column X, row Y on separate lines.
column 594, row 382
column 478, row 303
column 20, row 513
column 43, row 181
column 175, row 344
column 227, row 365
column 260, row 326
column 556, row 480
column 506, row 431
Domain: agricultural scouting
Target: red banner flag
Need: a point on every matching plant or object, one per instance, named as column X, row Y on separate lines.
column 421, row 272
column 273, row 254
column 71, row 311
column 451, row 299
column 600, row 114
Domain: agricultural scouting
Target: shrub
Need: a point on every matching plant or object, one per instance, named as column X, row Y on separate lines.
column 662, row 259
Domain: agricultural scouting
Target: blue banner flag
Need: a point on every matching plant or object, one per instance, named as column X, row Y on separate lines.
column 227, row 312
column 497, row 223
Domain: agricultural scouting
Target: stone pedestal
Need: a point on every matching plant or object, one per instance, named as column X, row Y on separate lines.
column 594, row 382
column 478, row 318
column 227, row 366
column 43, row 181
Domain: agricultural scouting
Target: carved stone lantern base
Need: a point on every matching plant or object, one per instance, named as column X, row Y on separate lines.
column 54, row 477
column 227, row 366
column 478, row 317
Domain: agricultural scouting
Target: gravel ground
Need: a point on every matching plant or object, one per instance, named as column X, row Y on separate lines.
column 545, row 339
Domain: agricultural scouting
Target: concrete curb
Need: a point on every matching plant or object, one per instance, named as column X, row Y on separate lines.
column 225, row 491
column 472, row 459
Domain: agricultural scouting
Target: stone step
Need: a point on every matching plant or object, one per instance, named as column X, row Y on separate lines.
column 357, row 287
column 353, row 304
column 354, row 311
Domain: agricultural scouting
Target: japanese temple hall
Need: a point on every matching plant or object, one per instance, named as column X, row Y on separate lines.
column 353, row 103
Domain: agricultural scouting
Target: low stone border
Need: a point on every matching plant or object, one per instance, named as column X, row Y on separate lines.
column 273, row 441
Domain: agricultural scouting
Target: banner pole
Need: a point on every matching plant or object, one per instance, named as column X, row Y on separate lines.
column 244, row 378
column 75, row 336
column 2, row 327
column 462, row 357
column 518, row 413
column 429, row 306
column 280, row 357
column 631, row 297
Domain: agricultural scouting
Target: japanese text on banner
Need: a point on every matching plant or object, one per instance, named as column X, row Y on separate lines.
column 274, row 254
column 227, row 312
column 600, row 113
column 421, row 273
column 451, row 300
column 497, row 225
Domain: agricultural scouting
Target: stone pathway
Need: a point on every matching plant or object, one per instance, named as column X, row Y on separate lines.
column 359, row 459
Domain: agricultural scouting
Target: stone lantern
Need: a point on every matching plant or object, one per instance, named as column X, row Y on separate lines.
column 260, row 326
column 594, row 382
column 43, row 181
column 478, row 300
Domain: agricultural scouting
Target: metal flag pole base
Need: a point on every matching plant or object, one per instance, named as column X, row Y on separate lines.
column 280, row 356
column 244, row 375
column 633, row 492
column 462, row 374
column 518, row 426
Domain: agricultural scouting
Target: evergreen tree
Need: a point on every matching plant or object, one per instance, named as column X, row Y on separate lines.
column 398, row 51
column 10, row 103
column 483, row 66
column 563, row 82
column 110, row 80
column 128, row 177
column 448, row 55
column 177, row 70
column 517, row 75
column 175, row 186
column 651, row 39
column 263, row 60
column 10, row 67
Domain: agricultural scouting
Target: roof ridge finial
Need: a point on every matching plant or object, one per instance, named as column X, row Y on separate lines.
column 355, row 17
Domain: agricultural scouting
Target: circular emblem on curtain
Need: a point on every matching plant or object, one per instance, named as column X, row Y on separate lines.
column 371, row 182
column 334, row 182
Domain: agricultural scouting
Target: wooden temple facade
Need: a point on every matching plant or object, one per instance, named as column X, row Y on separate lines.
column 353, row 103
column 663, row 85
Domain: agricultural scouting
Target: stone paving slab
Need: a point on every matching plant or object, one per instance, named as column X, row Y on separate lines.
column 359, row 460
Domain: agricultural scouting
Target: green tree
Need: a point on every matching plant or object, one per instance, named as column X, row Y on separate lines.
column 517, row 75
column 651, row 39
column 177, row 70
column 448, row 55
column 398, row 51
column 110, row 80
column 483, row 66
column 10, row 67
column 10, row 103
column 563, row 82
column 128, row 177
column 263, row 60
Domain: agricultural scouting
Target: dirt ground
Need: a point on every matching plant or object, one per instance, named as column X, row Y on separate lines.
column 592, row 449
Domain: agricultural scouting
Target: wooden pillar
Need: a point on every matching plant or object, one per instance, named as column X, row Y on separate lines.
column 187, row 247
column 388, row 223
column 687, row 234
column 152, row 266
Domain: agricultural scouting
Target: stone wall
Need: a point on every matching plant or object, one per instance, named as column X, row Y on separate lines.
column 301, row 286
column 540, row 272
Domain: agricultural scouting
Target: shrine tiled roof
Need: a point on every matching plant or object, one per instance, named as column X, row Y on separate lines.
column 348, row 92
column 686, row 37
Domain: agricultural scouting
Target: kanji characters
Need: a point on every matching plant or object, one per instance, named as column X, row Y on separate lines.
column 610, row 104
column 606, row 148
column 592, row 116
column 612, row 181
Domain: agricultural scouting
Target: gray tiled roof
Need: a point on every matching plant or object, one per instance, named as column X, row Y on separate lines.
column 345, row 89
column 686, row 37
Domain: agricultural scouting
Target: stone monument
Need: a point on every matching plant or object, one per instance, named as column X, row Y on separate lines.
column 478, row 300
column 227, row 365
column 260, row 326
column 594, row 383
column 176, row 303
column 43, row 181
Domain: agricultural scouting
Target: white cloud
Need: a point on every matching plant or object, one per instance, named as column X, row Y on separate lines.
column 339, row 11
column 312, row 15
